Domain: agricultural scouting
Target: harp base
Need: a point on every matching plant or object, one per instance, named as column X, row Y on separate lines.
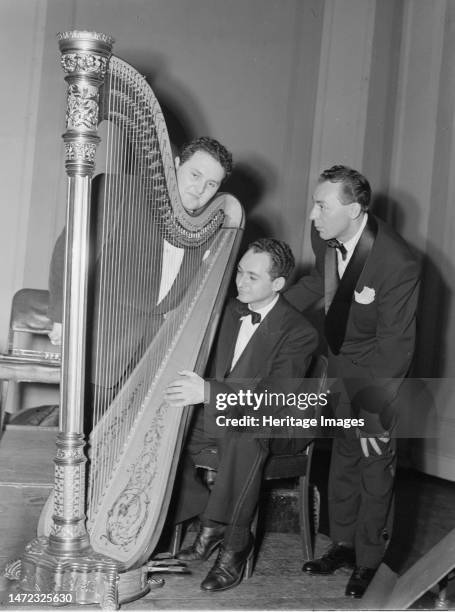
column 86, row 578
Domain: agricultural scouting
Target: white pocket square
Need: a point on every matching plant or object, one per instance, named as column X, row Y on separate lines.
column 366, row 296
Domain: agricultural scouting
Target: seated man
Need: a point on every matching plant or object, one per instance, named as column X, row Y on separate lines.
column 268, row 351
column 152, row 287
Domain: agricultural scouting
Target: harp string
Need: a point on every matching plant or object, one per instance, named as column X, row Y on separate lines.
column 122, row 240
column 129, row 267
column 117, row 195
column 110, row 221
column 123, row 397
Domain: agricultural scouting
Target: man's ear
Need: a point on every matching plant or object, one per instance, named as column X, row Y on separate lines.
column 177, row 162
column 278, row 283
column 355, row 210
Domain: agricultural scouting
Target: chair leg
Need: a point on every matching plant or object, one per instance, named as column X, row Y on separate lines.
column 442, row 602
column 9, row 401
column 305, row 520
column 176, row 539
column 3, row 388
column 250, row 561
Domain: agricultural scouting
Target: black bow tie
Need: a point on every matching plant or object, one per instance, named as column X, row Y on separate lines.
column 336, row 244
column 244, row 311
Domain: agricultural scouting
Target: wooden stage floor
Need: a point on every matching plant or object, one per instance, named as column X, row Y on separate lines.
column 277, row 583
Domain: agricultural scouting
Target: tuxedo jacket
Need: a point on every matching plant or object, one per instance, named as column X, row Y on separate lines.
column 276, row 358
column 122, row 317
column 370, row 324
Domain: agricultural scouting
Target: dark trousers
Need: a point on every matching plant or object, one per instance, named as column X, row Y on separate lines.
column 360, row 488
column 361, row 498
column 239, row 462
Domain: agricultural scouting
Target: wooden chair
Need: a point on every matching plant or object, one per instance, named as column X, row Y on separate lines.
column 30, row 356
column 280, row 467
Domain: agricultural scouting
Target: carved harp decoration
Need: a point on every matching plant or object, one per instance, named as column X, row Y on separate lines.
column 127, row 337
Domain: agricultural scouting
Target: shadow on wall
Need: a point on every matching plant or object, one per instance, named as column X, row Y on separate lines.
column 436, row 299
column 250, row 181
column 182, row 112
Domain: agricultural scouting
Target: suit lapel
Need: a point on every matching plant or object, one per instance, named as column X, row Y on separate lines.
column 331, row 280
column 226, row 342
column 338, row 312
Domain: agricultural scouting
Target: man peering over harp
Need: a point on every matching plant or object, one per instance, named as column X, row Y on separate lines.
column 158, row 275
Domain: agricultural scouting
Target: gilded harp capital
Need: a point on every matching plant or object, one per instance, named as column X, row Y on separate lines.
column 88, row 64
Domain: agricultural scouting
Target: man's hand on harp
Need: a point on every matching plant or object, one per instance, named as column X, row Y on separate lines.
column 186, row 390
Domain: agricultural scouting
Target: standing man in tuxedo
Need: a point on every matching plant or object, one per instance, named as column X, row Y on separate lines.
column 368, row 279
column 201, row 167
column 264, row 344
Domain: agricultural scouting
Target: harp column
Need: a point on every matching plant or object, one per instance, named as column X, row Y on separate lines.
column 85, row 57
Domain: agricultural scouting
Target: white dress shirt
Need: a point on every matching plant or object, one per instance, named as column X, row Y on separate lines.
column 172, row 260
column 350, row 245
column 247, row 329
column 171, row 264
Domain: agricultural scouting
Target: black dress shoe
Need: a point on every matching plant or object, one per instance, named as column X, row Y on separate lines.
column 207, row 540
column 359, row 581
column 228, row 569
column 337, row 556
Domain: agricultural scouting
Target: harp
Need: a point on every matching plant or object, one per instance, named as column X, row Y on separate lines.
column 96, row 538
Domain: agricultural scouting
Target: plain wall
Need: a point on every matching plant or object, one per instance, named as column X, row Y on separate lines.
column 290, row 86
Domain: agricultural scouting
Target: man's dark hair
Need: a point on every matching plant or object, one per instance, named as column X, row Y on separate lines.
column 280, row 253
column 355, row 187
column 211, row 146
